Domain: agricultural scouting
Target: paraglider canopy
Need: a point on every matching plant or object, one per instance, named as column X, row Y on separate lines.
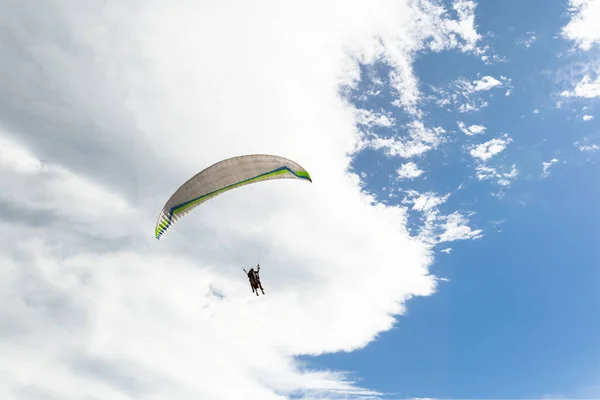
column 221, row 177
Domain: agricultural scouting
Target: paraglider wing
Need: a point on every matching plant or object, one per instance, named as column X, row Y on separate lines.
column 221, row 177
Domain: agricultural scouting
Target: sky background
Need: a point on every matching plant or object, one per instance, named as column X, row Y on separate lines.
column 447, row 247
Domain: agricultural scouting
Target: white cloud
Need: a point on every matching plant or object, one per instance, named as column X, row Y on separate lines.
column 546, row 166
column 536, row 111
column 476, row 129
column 456, row 228
column 370, row 118
column 486, row 83
column 583, row 27
column 472, row 129
column 13, row 157
column 588, row 117
column 527, row 42
column 56, row 188
column 489, row 149
column 424, row 201
column 158, row 93
column 430, row 27
column 588, row 87
column 437, row 227
column 409, row 170
column 485, row 172
column 420, row 139
column 471, row 107
column 589, row 147
column 467, row 95
column 447, row 250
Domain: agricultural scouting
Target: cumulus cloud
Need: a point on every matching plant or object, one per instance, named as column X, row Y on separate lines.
column 461, row 33
column 456, row 228
column 424, row 201
column 493, row 58
column 489, row 149
column 438, row 227
column 588, row 87
column 583, row 26
column 589, row 147
column 486, row 172
column 472, row 129
column 546, row 166
column 468, row 95
column 588, row 117
column 584, row 31
column 134, row 98
column 528, row 40
column 409, row 170
column 484, row 84
column 370, row 119
column 430, row 28
column 415, row 140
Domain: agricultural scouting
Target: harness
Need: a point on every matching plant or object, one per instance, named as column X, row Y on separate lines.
column 253, row 277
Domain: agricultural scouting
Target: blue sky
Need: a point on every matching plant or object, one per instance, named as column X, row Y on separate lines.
column 520, row 314
column 446, row 248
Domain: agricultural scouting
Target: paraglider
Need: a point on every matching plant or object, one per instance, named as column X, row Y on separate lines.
column 254, row 278
column 221, row 177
